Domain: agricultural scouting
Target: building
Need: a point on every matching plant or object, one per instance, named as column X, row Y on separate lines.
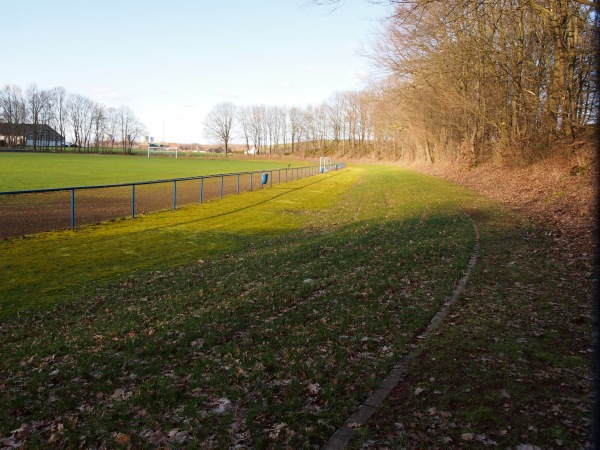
column 29, row 135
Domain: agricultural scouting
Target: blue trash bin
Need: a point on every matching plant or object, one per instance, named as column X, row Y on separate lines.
column 265, row 178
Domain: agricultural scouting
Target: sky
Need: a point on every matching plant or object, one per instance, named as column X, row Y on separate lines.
column 171, row 61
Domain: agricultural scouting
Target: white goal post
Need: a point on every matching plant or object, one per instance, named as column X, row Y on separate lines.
column 163, row 151
column 325, row 164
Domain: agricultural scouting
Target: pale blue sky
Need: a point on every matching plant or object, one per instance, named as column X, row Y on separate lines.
column 172, row 60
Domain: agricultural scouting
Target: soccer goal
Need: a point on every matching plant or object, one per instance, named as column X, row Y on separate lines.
column 159, row 150
column 325, row 164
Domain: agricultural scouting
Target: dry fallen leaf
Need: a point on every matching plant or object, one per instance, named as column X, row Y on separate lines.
column 467, row 436
column 314, row 389
column 122, row 439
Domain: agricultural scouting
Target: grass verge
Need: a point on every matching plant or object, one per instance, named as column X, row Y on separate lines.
column 270, row 342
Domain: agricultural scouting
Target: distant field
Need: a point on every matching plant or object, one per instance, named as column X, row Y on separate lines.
column 23, row 171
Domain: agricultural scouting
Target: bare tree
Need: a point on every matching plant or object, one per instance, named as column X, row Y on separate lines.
column 112, row 126
column 131, row 128
column 296, row 122
column 257, row 126
column 79, row 111
column 38, row 113
column 58, row 113
column 13, row 113
column 281, row 126
column 99, row 124
column 270, row 121
column 218, row 123
column 244, row 120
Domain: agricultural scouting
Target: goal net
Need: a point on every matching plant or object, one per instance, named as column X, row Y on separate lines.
column 156, row 150
column 325, row 164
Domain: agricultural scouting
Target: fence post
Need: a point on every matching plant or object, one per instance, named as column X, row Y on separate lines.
column 201, row 188
column 251, row 181
column 271, row 176
column 72, row 208
column 133, row 201
column 238, row 183
column 221, row 189
column 174, row 194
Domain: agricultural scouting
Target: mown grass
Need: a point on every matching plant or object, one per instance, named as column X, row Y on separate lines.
column 24, row 171
column 270, row 339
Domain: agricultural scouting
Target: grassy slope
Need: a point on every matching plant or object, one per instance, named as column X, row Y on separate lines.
column 276, row 341
column 22, row 171
column 273, row 343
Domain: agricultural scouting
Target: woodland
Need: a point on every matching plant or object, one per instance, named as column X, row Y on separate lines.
column 459, row 81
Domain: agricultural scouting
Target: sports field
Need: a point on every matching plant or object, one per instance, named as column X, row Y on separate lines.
column 47, row 211
column 24, row 171
column 265, row 319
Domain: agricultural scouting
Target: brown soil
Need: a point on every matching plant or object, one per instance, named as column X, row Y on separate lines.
column 558, row 193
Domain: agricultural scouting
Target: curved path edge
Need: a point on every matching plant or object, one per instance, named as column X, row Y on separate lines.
column 343, row 435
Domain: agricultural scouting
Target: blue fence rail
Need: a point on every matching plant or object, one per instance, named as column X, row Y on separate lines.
column 33, row 211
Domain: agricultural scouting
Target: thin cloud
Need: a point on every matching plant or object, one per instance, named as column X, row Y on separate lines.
column 230, row 95
column 313, row 69
column 286, row 85
column 105, row 94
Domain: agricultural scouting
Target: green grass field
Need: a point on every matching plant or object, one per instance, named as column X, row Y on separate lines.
column 24, row 171
column 263, row 320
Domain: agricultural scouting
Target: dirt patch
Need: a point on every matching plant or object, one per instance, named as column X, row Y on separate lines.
column 558, row 193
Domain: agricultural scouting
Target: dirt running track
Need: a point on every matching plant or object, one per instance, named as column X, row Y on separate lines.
column 38, row 212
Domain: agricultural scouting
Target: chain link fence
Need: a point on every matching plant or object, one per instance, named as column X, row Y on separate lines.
column 35, row 211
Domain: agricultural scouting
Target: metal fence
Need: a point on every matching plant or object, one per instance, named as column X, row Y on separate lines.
column 35, row 211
